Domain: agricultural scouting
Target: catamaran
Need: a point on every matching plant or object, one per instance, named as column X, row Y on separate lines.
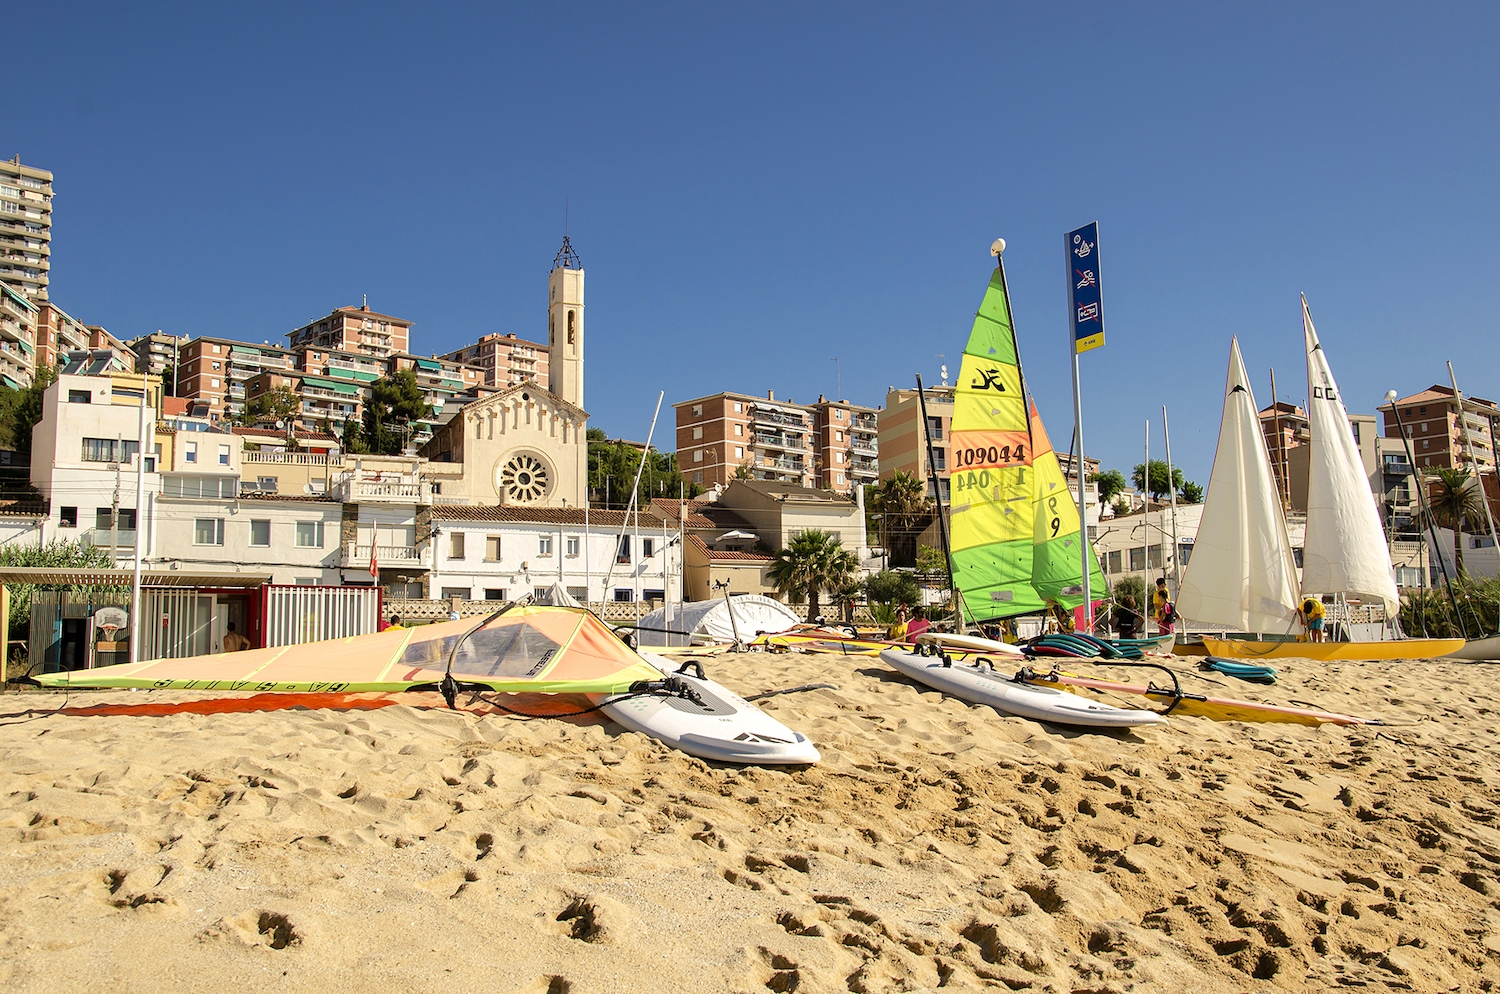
column 1242, row 576
column 1015, row 546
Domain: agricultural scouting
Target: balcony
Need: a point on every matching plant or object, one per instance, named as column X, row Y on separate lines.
column 787, row 465
column 863, row 447
column 870, row 468
column 287, row 458
column 776, row 418
column 863, row 422
column 351, row 491
column 780, row 441
column 385, row 555
column 99, row 538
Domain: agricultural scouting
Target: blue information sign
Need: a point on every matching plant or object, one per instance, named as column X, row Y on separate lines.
column 1085, row 296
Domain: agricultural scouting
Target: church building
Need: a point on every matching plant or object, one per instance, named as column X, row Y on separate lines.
column 524, row 446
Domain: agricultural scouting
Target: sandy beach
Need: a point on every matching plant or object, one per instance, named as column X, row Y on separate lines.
column 937, row 845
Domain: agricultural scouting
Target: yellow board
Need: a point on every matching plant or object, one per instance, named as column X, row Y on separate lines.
column 1392, row 649
column 1092, row 342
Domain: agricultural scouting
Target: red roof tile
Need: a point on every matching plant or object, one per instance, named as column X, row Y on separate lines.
column 535, row 515
column 728, row 557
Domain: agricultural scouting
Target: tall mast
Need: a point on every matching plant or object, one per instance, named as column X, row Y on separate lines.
column 1176, row 550
column 1469, row 444
column 937, row 495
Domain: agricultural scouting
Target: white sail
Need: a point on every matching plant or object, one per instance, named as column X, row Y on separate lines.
column 1241, row 575
column 1345, row 551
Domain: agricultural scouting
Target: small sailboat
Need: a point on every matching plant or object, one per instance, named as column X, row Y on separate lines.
column 1344, row 554
column 1016, row 534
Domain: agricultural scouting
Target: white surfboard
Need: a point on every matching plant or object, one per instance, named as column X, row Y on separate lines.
column 716, row 724
column 982, row 684
column 969, row 643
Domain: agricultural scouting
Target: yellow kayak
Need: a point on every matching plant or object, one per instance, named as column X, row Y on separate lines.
column 1389, row 649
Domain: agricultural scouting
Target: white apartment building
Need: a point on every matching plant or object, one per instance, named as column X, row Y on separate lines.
column 293, row 539
column 506, row 553
column 84, row 457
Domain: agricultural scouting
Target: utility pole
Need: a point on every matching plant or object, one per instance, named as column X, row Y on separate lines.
column 114, row 511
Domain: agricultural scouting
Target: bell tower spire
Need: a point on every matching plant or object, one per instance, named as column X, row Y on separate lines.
column 565, row 325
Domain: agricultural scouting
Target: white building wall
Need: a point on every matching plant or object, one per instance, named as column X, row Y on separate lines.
column 284, row 559
column 523, row 568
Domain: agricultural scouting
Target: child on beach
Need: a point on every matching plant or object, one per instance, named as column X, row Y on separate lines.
column 1312, row 617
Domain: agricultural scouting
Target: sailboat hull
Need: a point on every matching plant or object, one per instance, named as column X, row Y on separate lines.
column 1478, row 650
column 1392, row 649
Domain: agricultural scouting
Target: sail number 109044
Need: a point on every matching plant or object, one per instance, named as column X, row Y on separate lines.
column 992, row 456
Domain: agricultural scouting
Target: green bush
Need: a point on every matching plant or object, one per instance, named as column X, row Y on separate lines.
column 1430, row 613
column 892, row 587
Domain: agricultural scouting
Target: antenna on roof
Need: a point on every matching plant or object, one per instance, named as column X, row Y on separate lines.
column 364, row 301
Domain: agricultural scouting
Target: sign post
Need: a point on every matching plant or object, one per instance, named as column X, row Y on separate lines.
column 1086, row 321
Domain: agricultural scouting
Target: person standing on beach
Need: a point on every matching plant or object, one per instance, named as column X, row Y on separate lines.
column 1166, row 616
column 1312, row 617
column 1126, row 618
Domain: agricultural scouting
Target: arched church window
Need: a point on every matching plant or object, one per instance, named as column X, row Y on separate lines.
column 571, row 316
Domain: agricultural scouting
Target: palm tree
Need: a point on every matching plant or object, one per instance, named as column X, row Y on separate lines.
column 904, row 509
column 1453, row 501
column 814, row 561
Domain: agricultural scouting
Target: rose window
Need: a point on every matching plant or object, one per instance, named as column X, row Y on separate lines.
column 523, row 479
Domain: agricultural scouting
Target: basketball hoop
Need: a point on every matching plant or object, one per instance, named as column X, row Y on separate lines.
column 109, row 632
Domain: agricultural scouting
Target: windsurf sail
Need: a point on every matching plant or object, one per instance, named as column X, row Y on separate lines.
column 1241, row 576
column 1345, row 551
column 1057, row 560
column 991, row 468
column 535, row 649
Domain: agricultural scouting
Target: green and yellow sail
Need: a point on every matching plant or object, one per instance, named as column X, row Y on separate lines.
column 990, row 469
column 1057, row 564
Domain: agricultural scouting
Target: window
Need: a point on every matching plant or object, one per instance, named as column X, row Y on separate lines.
column 109, row 450
column 838, row 436
column 838, row 477
column 102, row 518
column 199, row 486
column 306, row 581
column 939, row 459
column 213, row 381
column 698, row 431
column 697, row 410
column 216, row 365
column 572, row 545
column 223, row 455
column 838, row 415
column 260, row 533
column 648, row 548
column 189, row 451
column 739, row 429
column 1153, row 557
column 309, row 534
column 739, row 452
column 492, row 549
column 1184, row 552
column 935, row 426
column 266, row 484
column 491, row 594
column 1297, row 556
column 217, row 349
column 68, row 517
column 697, row 477
column 455, row 545
column 654, row 595
column 79, row 396
column 624, row 595
column 839, row 457
column 544, row 545
column 697, row 455
column 623, row 555
column 1113, row 560
column 462, row 593
column 208, row 531
column 739, row 408
column 1138, row 558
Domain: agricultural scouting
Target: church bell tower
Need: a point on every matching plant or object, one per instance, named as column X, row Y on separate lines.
column 565, row 326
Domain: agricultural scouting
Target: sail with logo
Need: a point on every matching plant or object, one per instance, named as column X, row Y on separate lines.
column 991, row 477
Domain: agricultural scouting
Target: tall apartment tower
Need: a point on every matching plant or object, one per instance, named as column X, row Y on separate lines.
column 565, row 326
column 25, row 227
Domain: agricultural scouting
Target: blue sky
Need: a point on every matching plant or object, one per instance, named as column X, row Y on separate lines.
column 756, row 189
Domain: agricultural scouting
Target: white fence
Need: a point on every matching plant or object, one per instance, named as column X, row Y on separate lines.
column 296, row 614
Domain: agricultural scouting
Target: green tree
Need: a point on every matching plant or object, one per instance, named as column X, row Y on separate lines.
column 1454, row 502
column 890, row 587
column 277, row 406
column 352, row 438
column 57, row 554
column 612, row 467
column 932, row 564
column 1161, row 484
column 1190, row 492
column 395, row 402
column 20, row 410
column 814, row 561
column 905, row 512
column 1110, row 482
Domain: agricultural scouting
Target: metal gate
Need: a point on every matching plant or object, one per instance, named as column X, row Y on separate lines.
column 297, row 614
column 177, row 622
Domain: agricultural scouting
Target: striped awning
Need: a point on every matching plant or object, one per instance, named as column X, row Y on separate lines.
column 54, row 577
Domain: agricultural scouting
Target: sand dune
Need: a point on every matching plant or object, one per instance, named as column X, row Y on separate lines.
column 406, row 848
